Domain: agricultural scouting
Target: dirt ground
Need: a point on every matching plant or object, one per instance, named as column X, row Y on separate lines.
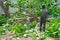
column 10, row 36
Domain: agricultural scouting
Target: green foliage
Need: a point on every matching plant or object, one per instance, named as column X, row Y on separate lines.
column 18, row 30
column 22, row 29
column 3, row 30
column 53, row 29
column 11, row 21
column 43, row 37
column 34, row 36
column 29, row 5
column 3, row 20
column 34, row 7
column 51, row 5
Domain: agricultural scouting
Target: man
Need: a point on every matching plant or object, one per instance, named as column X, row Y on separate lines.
column 43, row 17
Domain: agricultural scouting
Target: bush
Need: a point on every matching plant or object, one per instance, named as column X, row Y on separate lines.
column 3, row 20
column 18, row 30
column 54, row 29
column 3, row 30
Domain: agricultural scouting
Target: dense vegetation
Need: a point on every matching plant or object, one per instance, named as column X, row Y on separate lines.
column 23, row 22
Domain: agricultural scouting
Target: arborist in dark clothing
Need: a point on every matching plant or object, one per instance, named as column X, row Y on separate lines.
column 43, row 17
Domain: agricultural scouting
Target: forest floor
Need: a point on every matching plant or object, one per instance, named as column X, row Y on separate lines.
column 10, row 36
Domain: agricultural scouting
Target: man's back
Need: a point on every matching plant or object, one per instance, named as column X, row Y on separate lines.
column 43, row 13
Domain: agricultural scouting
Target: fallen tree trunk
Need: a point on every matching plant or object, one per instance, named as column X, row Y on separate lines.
column 32, row 19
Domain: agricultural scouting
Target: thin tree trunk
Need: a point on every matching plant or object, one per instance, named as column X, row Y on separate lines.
column 5, row 8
